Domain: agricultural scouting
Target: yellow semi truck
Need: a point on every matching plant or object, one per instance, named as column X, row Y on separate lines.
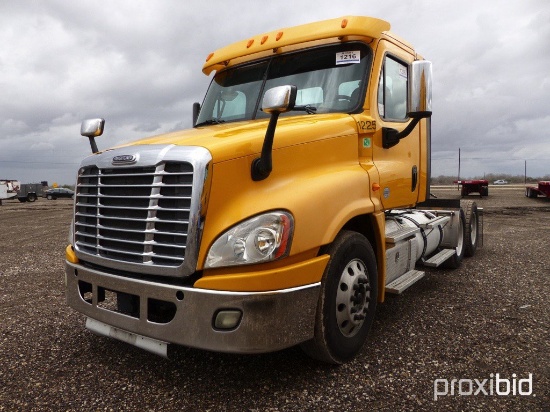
column 299, row 198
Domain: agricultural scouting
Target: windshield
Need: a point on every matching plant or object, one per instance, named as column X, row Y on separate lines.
column 329, row 79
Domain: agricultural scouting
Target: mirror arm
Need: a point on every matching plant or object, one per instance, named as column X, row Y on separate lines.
column 390, row 137
column 93, row 144
column 407, row 130
column 262, row 166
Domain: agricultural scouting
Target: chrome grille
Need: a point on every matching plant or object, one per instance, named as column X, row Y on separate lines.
column 140, row 216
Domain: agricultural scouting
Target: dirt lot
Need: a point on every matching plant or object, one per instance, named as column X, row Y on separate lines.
column 489, row 317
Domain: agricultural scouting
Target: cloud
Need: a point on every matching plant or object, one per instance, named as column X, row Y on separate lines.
column 138, row 64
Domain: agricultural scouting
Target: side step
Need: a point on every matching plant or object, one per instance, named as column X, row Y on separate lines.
column 437, row 259
column 404, row 281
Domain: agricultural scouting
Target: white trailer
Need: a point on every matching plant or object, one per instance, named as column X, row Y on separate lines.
column 8, row 189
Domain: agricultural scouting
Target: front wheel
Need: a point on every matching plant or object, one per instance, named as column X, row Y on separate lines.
column 347, row 302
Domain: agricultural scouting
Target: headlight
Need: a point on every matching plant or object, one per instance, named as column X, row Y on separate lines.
column 260, row 239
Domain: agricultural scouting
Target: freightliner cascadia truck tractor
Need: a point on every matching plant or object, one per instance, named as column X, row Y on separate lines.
column 297, row 201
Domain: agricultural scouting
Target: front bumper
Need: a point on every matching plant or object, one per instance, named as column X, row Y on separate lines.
column 270, row 320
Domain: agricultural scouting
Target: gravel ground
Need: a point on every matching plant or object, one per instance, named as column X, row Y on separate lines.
column 488, row 317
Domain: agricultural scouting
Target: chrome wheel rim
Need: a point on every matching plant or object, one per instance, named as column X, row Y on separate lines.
column 473, row 229
column 352, row 298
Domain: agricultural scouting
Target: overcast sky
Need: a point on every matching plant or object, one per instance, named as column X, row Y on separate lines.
column 138, row 65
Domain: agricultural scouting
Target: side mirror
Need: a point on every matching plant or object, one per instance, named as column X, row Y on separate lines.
column 420, row 90
column 279, row 99
column 276, row 101
column 196, row 111
column 419, row 103
column 92, row 128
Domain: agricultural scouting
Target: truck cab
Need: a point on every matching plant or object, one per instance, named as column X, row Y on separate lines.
column 284, row 215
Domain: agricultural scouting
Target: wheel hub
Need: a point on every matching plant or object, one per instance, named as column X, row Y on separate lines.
column 352, row 298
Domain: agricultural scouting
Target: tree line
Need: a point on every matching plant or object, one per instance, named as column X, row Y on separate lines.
column 491, row 177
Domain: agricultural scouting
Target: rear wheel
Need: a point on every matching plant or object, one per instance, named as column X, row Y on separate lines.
column 530, row 193
column 49, row 197
column 347, row 302
column 31, row 197
column 471, row 227
column 454, row 261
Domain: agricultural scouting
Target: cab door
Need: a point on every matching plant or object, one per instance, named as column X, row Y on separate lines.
column 398, row 166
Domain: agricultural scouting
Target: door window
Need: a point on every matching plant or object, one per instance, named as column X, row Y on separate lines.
column 392, row 90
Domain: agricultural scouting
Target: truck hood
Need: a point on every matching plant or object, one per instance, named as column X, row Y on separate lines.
column 233, row 140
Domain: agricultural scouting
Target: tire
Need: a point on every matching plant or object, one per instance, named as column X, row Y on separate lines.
column 31, row 197
column 471, row 227
column 49, row 197
column 455, row 261
column 530, row 193
column 347, row 302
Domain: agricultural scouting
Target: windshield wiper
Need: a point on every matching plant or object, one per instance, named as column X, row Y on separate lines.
column 306, row 108
column 210, row 122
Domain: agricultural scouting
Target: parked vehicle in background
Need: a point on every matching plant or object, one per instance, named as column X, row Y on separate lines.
column 3, row 193
column 29, row 192
column 500, row 182
column 60, row 192
column 473, row 186
column 543, row 189
column 8, row 189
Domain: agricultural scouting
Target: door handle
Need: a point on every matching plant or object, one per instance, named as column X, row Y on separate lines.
column 414, row 178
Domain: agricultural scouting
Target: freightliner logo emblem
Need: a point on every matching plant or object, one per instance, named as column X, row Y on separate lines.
column 124, row 159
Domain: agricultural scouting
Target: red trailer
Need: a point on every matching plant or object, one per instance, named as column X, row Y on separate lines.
column 473, row 186
column 543, row 189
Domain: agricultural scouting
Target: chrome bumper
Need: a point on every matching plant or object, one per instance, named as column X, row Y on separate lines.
column 270, row 320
